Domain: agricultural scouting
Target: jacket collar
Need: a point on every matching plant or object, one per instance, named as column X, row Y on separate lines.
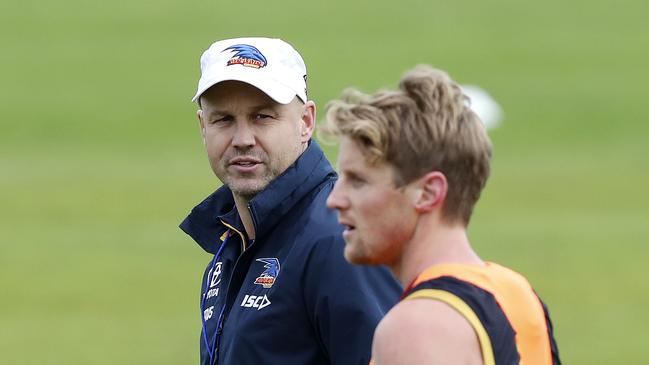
column 269, row 207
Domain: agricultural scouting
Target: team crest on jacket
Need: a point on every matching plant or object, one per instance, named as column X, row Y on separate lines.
column 268, row 277
column 246, row 55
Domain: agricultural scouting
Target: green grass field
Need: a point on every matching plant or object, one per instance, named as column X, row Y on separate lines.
column 100, row 158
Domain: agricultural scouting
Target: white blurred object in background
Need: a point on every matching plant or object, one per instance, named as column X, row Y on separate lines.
column 484, row 105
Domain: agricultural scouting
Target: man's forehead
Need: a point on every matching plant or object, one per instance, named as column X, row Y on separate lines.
column 354, row 157
column 229, row 94
column 351, row 155
column 351, row 149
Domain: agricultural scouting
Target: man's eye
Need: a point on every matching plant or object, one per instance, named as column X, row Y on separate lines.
column 222, row 120
column 262, row 116
column 356, row 181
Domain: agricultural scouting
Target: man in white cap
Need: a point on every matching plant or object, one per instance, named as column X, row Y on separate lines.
column 277, row 289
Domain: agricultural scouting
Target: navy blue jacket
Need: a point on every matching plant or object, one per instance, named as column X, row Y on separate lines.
column 289, row 297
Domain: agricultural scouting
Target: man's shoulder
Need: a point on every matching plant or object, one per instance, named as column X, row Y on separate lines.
column 432, row 328
column 420, row 316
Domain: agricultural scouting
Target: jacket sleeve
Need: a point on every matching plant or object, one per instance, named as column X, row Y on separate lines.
column 345, row 302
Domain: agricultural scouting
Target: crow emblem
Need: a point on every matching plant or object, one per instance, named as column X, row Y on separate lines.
column 246, row 55
column 268, row 277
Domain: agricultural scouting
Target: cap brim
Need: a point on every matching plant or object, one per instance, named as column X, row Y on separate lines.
column 275, row 90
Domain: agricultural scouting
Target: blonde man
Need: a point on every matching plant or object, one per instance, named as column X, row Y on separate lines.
column 412, row 165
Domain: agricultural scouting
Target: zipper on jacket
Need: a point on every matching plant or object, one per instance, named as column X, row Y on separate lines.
column 252, row 217
column 219, row 329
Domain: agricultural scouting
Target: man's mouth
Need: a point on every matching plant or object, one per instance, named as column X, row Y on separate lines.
column 244, row 164
column 349, row 228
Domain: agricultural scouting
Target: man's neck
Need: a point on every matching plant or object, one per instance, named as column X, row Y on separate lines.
column 434, row 244
column 244, row 213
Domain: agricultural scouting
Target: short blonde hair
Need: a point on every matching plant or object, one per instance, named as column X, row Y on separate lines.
column 426, row 125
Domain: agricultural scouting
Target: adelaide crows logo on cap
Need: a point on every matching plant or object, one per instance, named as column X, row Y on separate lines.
column 268, row 277
column 246, row 55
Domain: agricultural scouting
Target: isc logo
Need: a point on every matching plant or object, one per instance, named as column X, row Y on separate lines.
column 255, row 301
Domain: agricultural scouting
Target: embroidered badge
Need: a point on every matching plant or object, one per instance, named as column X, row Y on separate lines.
column 246, row 55
column 268, row 277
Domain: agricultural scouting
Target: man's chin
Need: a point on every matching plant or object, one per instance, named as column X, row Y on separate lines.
column 356, row 258
column 247, row 194
column 246, row 190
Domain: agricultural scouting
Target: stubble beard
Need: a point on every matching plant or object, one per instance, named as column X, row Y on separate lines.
column 248, row 191
column 360, row 253
column 355, row 252
column 247, row 186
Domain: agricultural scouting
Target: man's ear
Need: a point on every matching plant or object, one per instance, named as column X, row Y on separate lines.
column 308, row 121
column 433, row 188
column 199, row 115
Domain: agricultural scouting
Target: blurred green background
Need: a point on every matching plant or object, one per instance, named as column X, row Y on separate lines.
column 100, row 158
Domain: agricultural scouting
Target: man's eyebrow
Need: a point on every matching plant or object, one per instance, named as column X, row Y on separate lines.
column 267, row 105
column 214, row 112
column 353, row 174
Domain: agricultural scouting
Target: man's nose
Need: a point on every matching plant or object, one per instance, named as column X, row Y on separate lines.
column 335, row 199
column 244, row 135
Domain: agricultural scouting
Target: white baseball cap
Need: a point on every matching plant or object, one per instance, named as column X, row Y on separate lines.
column 271, row 65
